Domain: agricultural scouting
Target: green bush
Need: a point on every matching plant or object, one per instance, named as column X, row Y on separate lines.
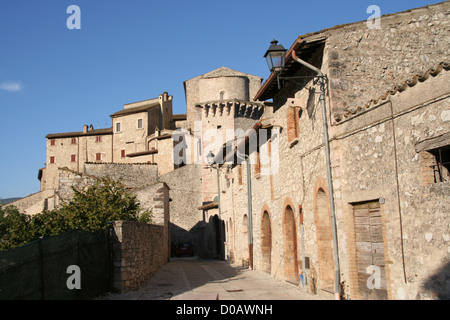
column 15, row 228
column 90, row 209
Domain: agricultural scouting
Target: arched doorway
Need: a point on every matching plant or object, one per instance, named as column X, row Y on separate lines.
column 218, row 229
column 290, row 246
column 324, row 240
column 266, row 243
column 245, row 249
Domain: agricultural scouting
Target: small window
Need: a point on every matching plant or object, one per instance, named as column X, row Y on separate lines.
column 240, row 175
column 53, row 142
column 98, row 157
column 123, row 153
column 74, row 140
column 52, row 159
column 118, row 127
column 98, row 139
column 140, row 124
column 258, row 164
column 434, row 159
column 441, row 164
column 73, row 158
column 293, row 129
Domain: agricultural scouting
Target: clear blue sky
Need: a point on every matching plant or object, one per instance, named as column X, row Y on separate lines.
column 53, row 79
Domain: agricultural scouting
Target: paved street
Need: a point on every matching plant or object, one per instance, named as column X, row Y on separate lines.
column 196, row 279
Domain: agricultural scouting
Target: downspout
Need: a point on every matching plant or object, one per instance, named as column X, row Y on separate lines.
column 220, row 213
column 330, row 181
column 250, row 214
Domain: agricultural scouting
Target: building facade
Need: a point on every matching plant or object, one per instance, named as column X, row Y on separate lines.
column 387, row 111
column 370, row 223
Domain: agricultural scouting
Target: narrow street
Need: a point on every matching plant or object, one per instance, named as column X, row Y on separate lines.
column 197, row 279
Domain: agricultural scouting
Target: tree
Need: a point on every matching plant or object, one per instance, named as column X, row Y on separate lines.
column 90, row 209
column 15, row 228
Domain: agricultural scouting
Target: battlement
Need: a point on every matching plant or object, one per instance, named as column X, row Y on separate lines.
column 234, row 108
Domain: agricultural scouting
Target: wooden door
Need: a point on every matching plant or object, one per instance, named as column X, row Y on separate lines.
column 370, row 251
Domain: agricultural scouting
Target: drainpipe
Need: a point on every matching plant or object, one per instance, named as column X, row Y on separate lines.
column 330, row 181
column 250, row 215
column 220, row 213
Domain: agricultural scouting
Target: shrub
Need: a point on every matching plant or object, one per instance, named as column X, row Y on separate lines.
column 90, row 209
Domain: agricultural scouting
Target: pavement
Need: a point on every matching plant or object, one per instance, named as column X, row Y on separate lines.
column 198, row 279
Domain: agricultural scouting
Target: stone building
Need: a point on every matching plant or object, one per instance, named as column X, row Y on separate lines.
column 139, row 135
column 219, row 107
column 387, row 110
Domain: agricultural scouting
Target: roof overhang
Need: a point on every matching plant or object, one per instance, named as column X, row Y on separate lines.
column 95, row 132
column 304, row 49
column 209, row 205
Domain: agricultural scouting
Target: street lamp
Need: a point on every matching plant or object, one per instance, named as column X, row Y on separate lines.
column 210, row 158
column 275, row 57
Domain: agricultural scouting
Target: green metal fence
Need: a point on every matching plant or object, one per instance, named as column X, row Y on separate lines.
column 39, row 270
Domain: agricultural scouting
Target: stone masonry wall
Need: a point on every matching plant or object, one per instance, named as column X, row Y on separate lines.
column 407, row 43
column 185, row 192
column 139, row 252
column 133, row 175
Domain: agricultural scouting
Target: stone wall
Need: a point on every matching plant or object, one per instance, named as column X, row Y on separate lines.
column 408, row 43
column 373, row 161
column 139, row 252
column 34, row 203
column 133, row 175
column 186, row 221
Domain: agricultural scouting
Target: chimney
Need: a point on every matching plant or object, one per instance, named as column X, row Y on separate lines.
column 85, row 129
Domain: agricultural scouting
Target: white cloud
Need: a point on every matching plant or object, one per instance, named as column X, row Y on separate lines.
column 11, row 86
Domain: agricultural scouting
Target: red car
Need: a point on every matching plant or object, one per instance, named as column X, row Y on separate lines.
column 184, row 249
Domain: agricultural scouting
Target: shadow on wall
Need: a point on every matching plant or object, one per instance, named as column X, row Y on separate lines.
column 439, row 283
column 205, row 237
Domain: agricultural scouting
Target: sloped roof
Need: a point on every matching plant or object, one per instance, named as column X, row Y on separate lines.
column 313, row 39
column 95, row 132
column 135, row 109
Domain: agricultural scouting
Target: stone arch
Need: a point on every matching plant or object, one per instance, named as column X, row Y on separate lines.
column 266, row 241
column 290, row 245
column 324, row 236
